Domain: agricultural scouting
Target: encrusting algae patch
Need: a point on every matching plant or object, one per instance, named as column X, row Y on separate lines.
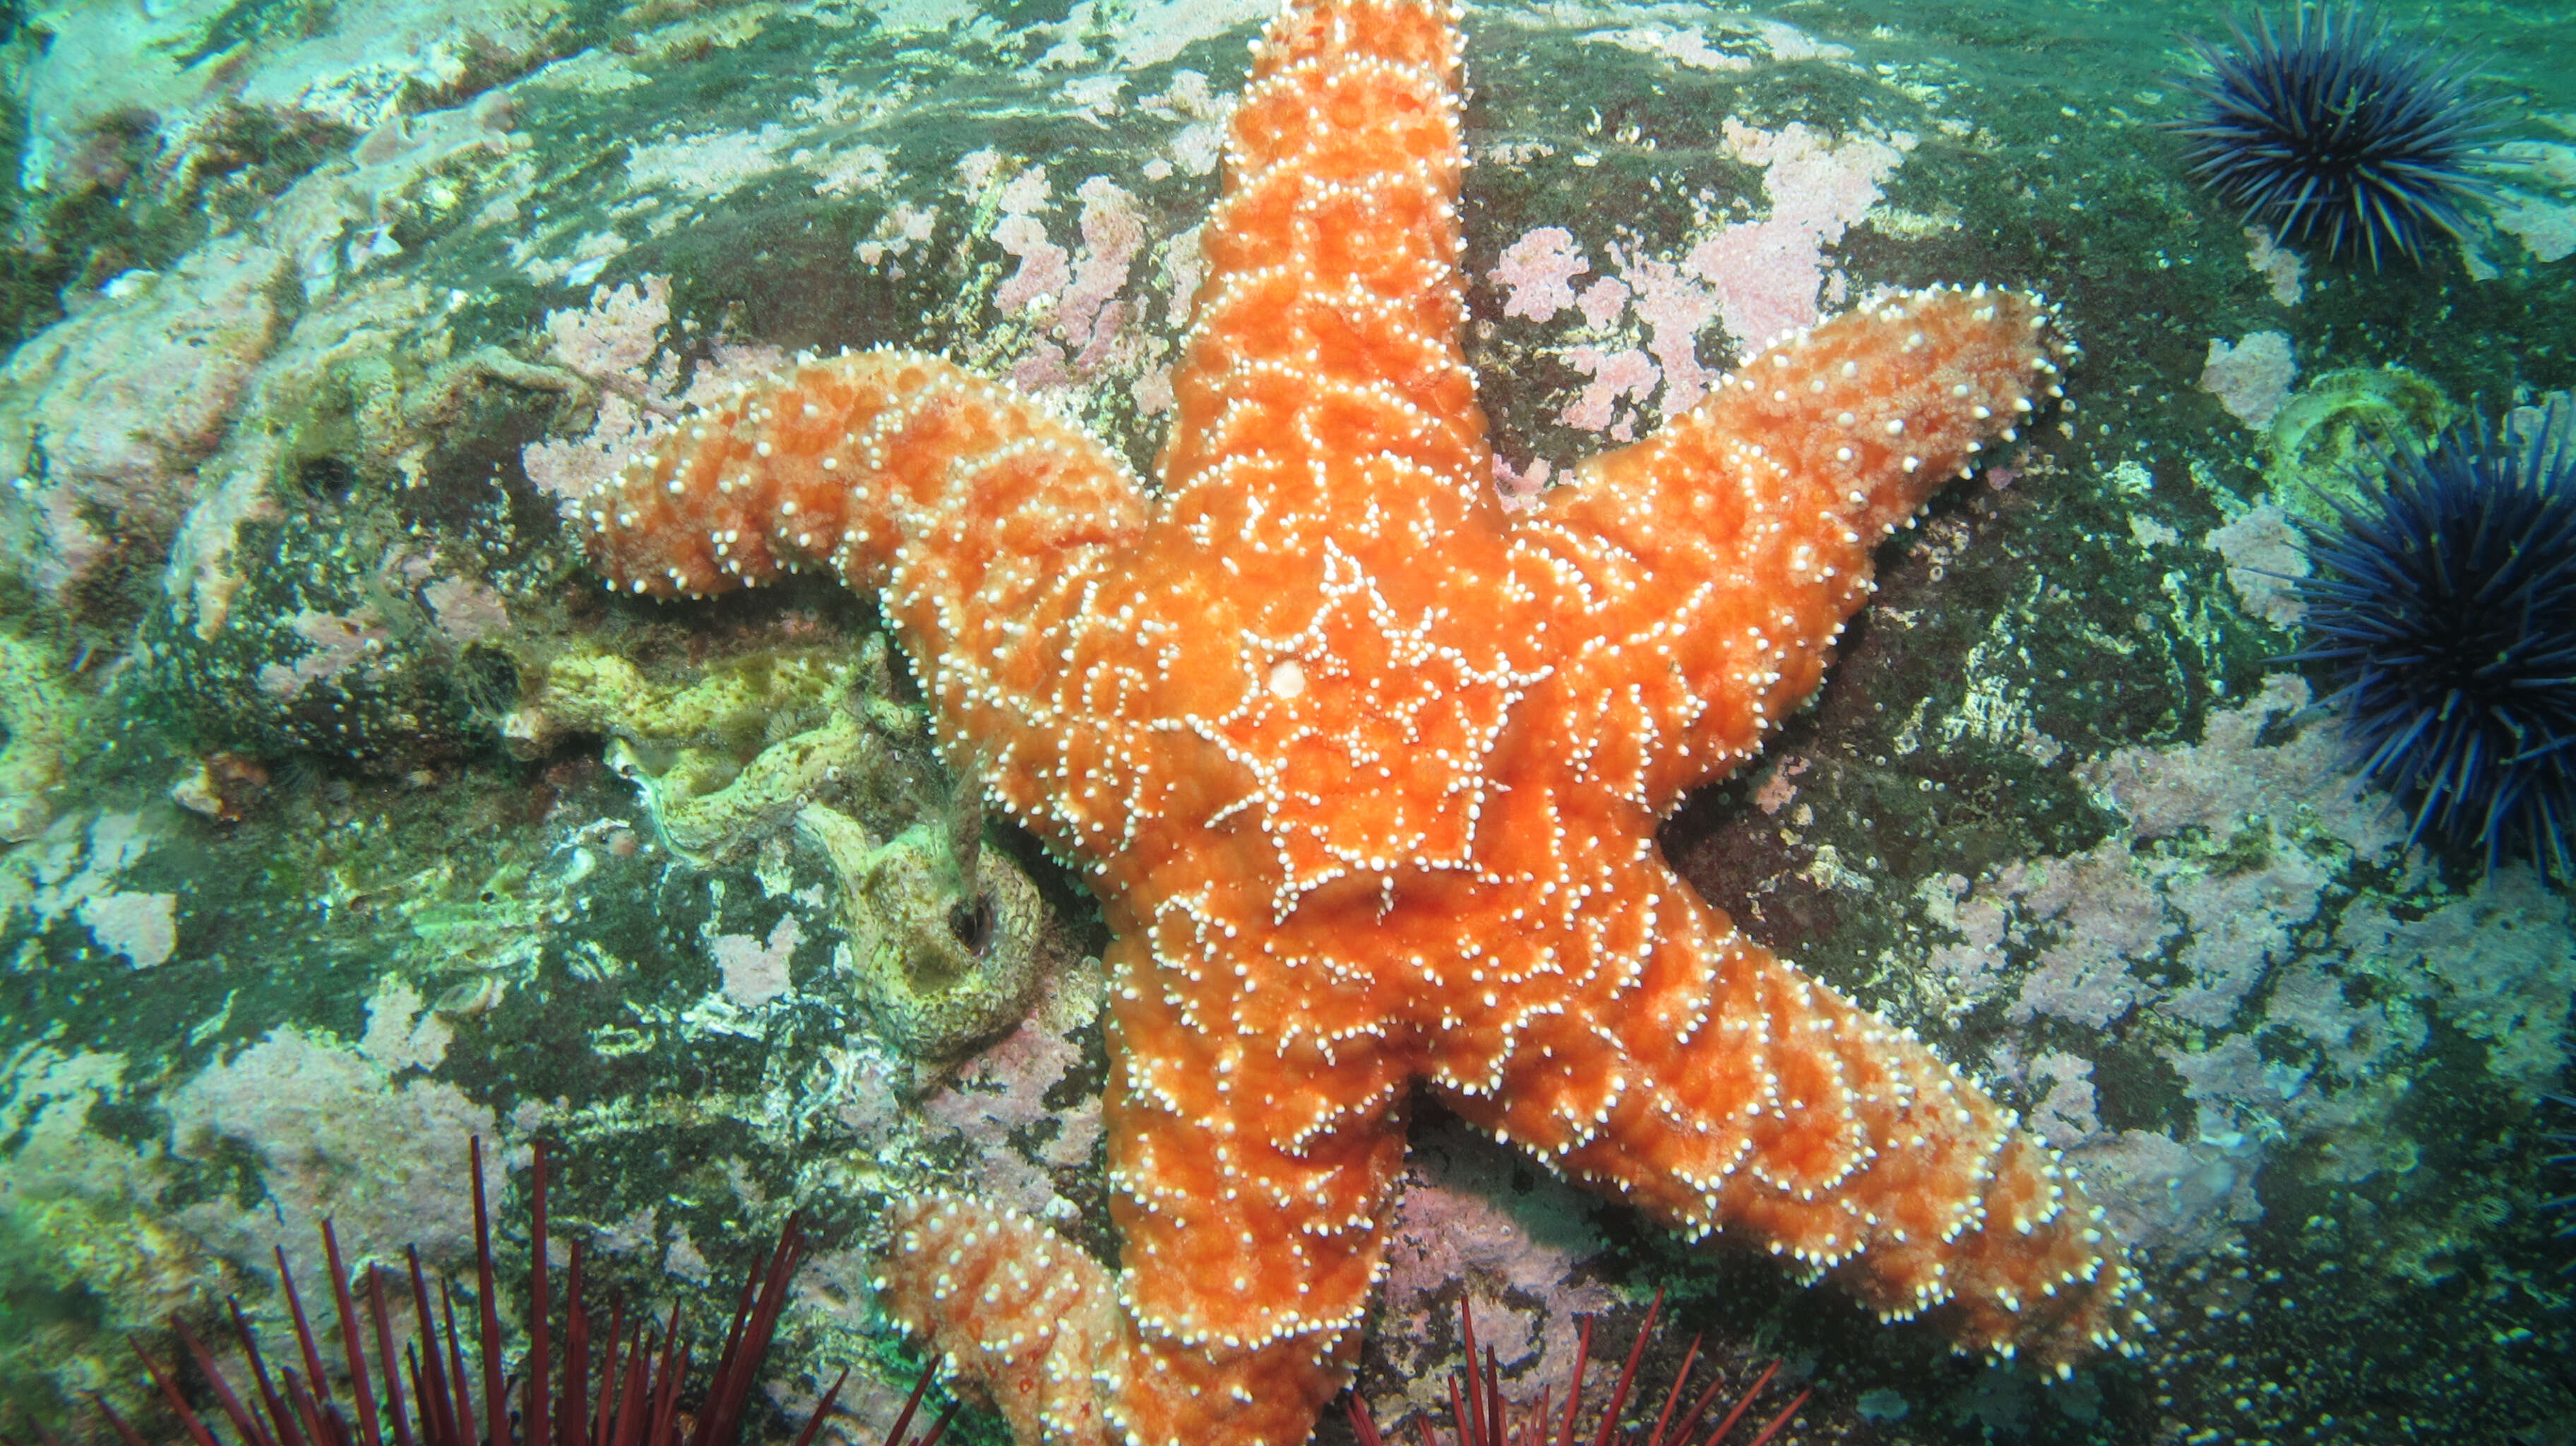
column 1365, row 773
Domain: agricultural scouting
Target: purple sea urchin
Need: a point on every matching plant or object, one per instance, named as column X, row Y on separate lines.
column 2445, row 602
column 2560, row 1210
column 1480, row 1417
column 2333, row 132
column 428, row 1397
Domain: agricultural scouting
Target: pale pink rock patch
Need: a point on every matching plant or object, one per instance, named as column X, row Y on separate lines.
column 1628, row 373
column 1045, row 268
column 1537, row 271
column 2251, row 378
column 339, row 644
column 755, row 972
column 142, row 927
column 112, row 410
column 1767, row 274
column 467, row 611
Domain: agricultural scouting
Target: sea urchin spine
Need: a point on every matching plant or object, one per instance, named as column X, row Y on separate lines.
column 2334, row 132
column 638, row 1387
column 1481, row 1418
column 2445, row 602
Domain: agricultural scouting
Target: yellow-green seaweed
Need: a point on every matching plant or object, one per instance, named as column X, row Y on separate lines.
column 939, row 969
column 2330, row 435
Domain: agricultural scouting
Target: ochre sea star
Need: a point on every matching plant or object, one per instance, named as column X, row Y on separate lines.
column 1366, row 772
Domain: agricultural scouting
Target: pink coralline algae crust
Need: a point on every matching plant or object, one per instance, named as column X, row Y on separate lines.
column 2251, row 378
column 2264, row 554
column 1045, row 268
column 1674, row 306
column 712, row 164
column 142, row 927
column 104, row 416
column 2107, row 917
column 1758, row 278
column 1537, row 270
column 2537, row 206
column 1617, row 376
column 997, row 1099
column 317, row 1115
column 466, row 611
column 616, row 335
column 338, row 644
column 2283, row 271
column 1516, row 1253
column 2215, row 912
column 1074, row 295
column 755, row 971
column 78, row 869
column 1766, row 273
column 2122, row 902
column 905, row 227
column 617, row 342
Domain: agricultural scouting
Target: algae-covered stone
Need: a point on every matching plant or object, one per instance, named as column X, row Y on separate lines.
column 733, row 705
column 85, row 1255
column 938, row 967
column 41, row 714
column 323, row 652
column 359, row 574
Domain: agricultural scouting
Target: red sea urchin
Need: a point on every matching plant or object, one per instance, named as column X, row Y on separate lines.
column 1480, row 1417
column 2332, row 131
column 2445, row 602
column 637, row 1400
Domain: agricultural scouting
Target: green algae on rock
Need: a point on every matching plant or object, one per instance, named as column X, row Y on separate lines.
column 2101, row 799
column 41, row 716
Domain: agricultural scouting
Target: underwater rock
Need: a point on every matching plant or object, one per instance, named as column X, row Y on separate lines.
column 353, row 575
column 84, row 1252
column 1019, row 188
column 938, row 966
column 201, row 76
column 41, row 715
column 338, row 642
column 105, row 416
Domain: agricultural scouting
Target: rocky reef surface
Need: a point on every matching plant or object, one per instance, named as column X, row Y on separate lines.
column 347, row 816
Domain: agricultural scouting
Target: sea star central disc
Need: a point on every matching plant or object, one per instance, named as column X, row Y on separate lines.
column 1366, row 771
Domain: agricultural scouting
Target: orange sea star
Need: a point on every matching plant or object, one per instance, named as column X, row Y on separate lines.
column 1366, row 773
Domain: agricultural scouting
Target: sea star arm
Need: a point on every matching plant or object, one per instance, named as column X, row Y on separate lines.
column 1322, row 385
column 1735, row 541
column 987, row 528
column 1249, row 1180
column 1719, row 1089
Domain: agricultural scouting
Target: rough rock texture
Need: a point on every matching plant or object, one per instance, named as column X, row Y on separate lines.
column 2047, row 792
